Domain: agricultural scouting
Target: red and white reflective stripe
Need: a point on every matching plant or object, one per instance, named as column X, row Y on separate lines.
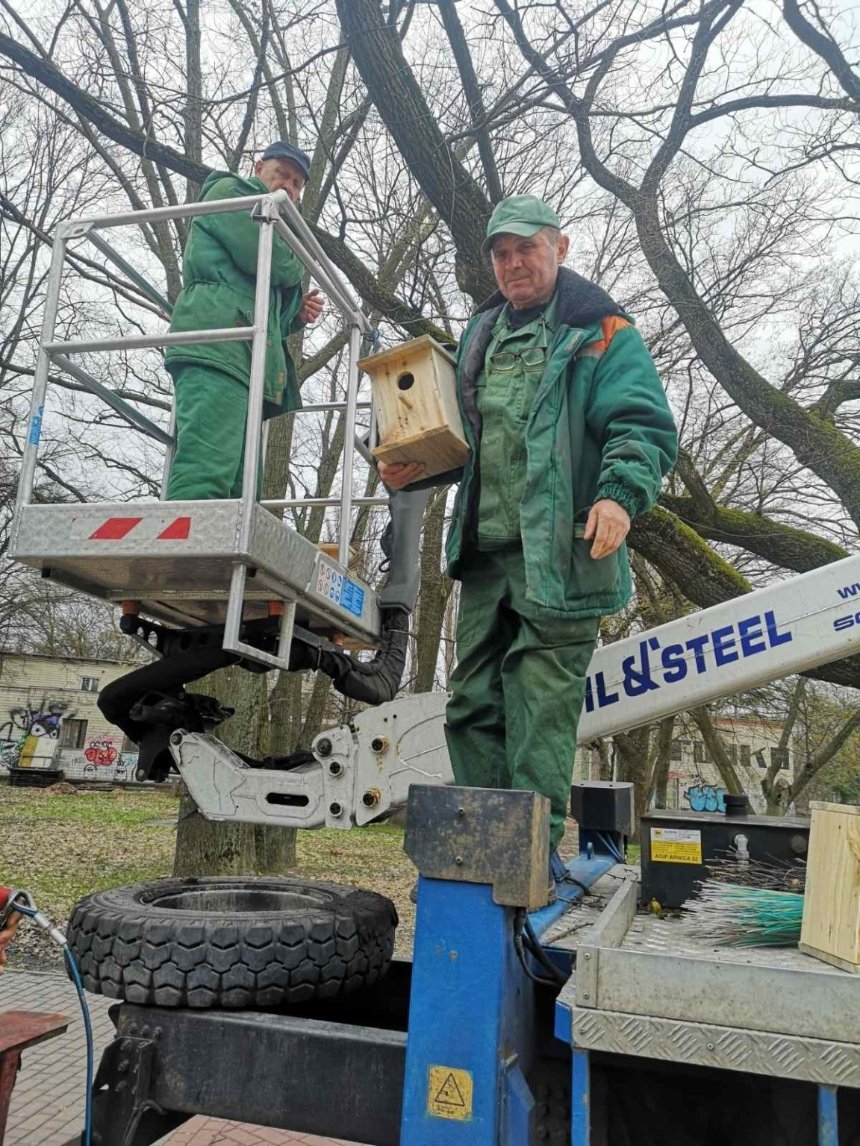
column 178, row 530
column 115, row 528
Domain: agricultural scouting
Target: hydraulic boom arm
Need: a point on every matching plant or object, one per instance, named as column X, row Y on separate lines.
column 361, row 772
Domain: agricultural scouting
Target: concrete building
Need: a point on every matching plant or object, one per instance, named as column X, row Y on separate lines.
column 49, row 717
column 694, row 782
column 753, row 746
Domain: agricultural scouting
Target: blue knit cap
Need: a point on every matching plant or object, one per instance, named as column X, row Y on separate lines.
column 282, row 150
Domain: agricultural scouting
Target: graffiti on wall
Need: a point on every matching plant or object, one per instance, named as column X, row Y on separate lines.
column 101, row 758
column 30, row 738
column 30, row 734
column 43, row 718
column 101, row 753
column 706, row 798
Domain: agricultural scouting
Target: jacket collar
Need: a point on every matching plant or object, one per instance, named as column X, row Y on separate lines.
column 580, row 303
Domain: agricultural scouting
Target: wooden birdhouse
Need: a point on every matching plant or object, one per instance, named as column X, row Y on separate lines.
column 416, row 406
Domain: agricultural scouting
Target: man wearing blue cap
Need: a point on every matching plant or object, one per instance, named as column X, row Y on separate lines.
column 211, row 379
column 570, row 436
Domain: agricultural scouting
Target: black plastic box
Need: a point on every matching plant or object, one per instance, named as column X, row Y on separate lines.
column 677, row 845
column 603, row 805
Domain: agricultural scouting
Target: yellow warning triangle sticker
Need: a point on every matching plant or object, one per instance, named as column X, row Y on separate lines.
column 448, row 1093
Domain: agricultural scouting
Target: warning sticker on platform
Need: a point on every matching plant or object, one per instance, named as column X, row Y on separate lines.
column 331, row 583
column 449, row 1093
column 676, row 845
column 352, row 597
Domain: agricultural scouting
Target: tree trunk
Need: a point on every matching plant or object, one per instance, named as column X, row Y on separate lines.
column 285, row 713
column 814, row 765
column 635, row 767
column 205, row 847
column 662, row 760
column 315, row 714
column 605, row 769
column 716, row 748
column 458, row 199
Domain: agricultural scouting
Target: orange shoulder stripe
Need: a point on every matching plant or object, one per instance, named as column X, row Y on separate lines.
column 610, row 327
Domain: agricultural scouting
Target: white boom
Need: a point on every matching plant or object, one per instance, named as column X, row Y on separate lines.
column 363, row 771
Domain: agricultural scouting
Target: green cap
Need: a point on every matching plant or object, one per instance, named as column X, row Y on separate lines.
column 519, row 215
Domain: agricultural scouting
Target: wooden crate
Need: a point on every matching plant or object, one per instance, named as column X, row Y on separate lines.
column 332, row 549
column 416, row 406
column 831, row 906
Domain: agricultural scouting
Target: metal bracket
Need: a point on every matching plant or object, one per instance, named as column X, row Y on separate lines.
column 335, row 754
column 232, row 641
column 266, row 211
column 482, row 835
column 224, row 787
column 73, row 230
column 609, row 931
column 124, row 1113
column 361, row 771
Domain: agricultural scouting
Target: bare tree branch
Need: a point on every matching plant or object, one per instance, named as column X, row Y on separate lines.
column 823, row 44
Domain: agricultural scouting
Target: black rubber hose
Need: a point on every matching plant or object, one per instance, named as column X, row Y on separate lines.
column 372, row 682
column 164, row 676
column 376, row 681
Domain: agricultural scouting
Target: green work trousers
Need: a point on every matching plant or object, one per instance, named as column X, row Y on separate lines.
column 518, row 687
column 211, row 409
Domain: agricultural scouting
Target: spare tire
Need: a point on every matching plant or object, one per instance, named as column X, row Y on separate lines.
column 231, row 942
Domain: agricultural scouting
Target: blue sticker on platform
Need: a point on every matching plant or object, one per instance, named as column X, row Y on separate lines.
column 352, row 597
column 36, row 427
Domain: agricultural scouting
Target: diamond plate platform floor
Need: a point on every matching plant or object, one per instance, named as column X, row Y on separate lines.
column 48, row 1100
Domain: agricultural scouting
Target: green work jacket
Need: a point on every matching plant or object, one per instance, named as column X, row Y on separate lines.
column 219, row 274
column 599, row 427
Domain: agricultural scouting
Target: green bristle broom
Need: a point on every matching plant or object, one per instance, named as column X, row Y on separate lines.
column 757, row 904
column 736, row 916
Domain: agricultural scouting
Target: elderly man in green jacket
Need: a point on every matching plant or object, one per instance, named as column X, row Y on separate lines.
column 571, row 436
column 211, row 379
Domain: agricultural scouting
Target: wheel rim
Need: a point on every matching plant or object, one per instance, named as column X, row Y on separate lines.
column 227, row 899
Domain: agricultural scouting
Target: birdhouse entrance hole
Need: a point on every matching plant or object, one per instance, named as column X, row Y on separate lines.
column 405, row 381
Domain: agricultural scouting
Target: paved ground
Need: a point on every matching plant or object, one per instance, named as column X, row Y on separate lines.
column 48, row 1100
column 214, row 1132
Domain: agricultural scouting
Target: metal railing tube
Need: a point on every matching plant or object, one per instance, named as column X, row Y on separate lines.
column 317, row 502
column 362, row 449
column 40, row 384
column 348, row 436
column 168, row 454
column 325, row 407
column 141, row 341
column 257, row 379
column 74, row 228
column 329, row 285
column 299, row 224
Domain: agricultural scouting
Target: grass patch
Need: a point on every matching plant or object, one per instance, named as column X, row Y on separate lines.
column 61, row 847
column 120, row 807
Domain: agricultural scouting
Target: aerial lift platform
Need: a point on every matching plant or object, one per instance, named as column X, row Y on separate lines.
column 210, row 563
column 518, row 1020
